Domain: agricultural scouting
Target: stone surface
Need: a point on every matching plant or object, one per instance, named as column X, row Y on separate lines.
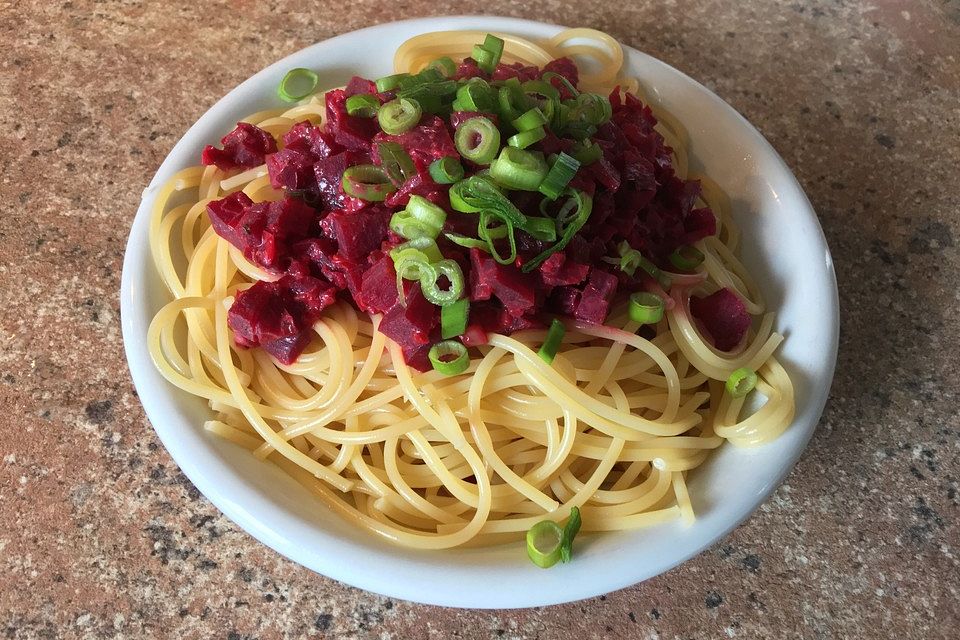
column 102, row 537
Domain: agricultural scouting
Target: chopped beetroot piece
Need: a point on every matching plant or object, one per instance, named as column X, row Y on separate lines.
column 723, row 316
column 564, row 300
column 638, row 170
column 410, row 326
column 419, row 185
column 468, row 69
column 425, row 142
column 225, row 215
column 558, row 271
column 699, row 224
column 515, row 289
column 481, row 287
column 245, row 146
column 359, row 85
column 492, row 318
column 595, row 301
column 329, row 173
column 351, row 132
column 553, row 144
column 474, row 336
column 378, row 293
column 605, row 173
column 288, row 348
column 291, row 169
column 359, row 232
column 308, row 138
column 516, row 70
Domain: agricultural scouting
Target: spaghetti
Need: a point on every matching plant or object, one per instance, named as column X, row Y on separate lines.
column 613, row 426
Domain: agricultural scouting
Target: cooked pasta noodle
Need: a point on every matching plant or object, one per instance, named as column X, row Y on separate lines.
column 613, row 426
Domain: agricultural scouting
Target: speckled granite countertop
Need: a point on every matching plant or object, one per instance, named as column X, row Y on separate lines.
column 102, row 537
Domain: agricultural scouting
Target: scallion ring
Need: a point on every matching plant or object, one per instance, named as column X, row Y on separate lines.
column 560, row 174
column 446, row 170
column 686, row 258
column 449, row 358
column 477, row 95
column 548, row 350
column 297, row 84
column 363, row 105
column 453, row 318
column 524, row 139
column 367, row 182
column 399, row 116
column 477, row 140
column 741, row 382
column 490, row 235
column 646, row 308
column 445, row 66
column 389, row 83
column 518, row 169
column 530, row 120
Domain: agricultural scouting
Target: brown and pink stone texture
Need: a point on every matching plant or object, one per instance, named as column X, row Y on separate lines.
column 102, row 537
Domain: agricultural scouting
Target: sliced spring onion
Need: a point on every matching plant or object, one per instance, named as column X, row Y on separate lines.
column 399, row 115
column 446, row 170
column 449, row 357
column 530, row 120
column 457, row 201
column 494, row 45
column 541, row 88
column 406, row 226
column 543, row 543
column 524, row 139
column 548, row 543
column 367, row 182
column 550, row 76
column 479, row 192
column 488, row 216
column 630, row 259
column 646, row 308
column 570, row 531
column 518, row 169
column 453, row 318
column 445, row 66
column 560, row 174
column 587, row 152
column 426, row 212
column 477, row 140
column 513, row 101
column 741, row 382
column 488, row 54
column 476, row 95
column 591, row 108
column 297, row 84
column 466, row 241
column 396, row 162
column 389, row 83
column 363, row 105
column 430, row 283
column 548, row 350
column 686, row 258
column 543, row 229
column 573, row 215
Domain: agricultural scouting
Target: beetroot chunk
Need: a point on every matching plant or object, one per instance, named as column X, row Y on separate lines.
column 378, row 293
column 291, row 169
column 424, row 143
column 515, row 289
column 723, row 316
column 410, row 327
column 558, row 271
column 309, row 139
column 351, row 132
column 225, row 215
column 245, row 146
column 595, row 301
column 357, row 232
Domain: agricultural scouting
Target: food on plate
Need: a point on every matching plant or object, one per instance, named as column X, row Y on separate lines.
column 470, row 300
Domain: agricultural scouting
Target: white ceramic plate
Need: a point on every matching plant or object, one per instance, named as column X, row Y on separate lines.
column 783, row 244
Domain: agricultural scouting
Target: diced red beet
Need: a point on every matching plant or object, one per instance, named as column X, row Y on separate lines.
column 359, row 85
column 351, row 132
column 515, row 289
column 425, row 142
column 308, row 138
column 595, row 301
column 490, row 317
column 558, row 271
column 699, row 224
column 474, row 336
column 410, row 326
column 378, row 293
column 291, row 169
column 245, row 146
column 225, row 215
column 468, row 69
column 480, row 283
column 329, row 173
column 358, row 232
column 516, row 70
column 723, row 316
column 288, row 348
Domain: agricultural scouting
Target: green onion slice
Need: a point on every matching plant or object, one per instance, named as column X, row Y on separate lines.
column 426, row 212
column 560, row 174
column 645, row 308
column 478, row 192
column 363, row 105
column 579, row 205
column 518, row 169
column 477, row 140
column 513, row 101
column 449, row 357
column 466, row 241
column 367, row 182
column 686, row 258
column 587, row 152
column 445, row 66
column 630, row 259
column 446, row 170
column 741, row 382
column 396, row 162
column 399, row 115
column 548, row 350
column 389, row 83
column 548, row 543
column 541, row 88
column 297, row 84
column 543, row 229
column 477, row 95
column 524, row 139
column 430, row 283
column 406, row 226
column 550, row 76
column 488, row 234
column 453, row 318
column 530, row 120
